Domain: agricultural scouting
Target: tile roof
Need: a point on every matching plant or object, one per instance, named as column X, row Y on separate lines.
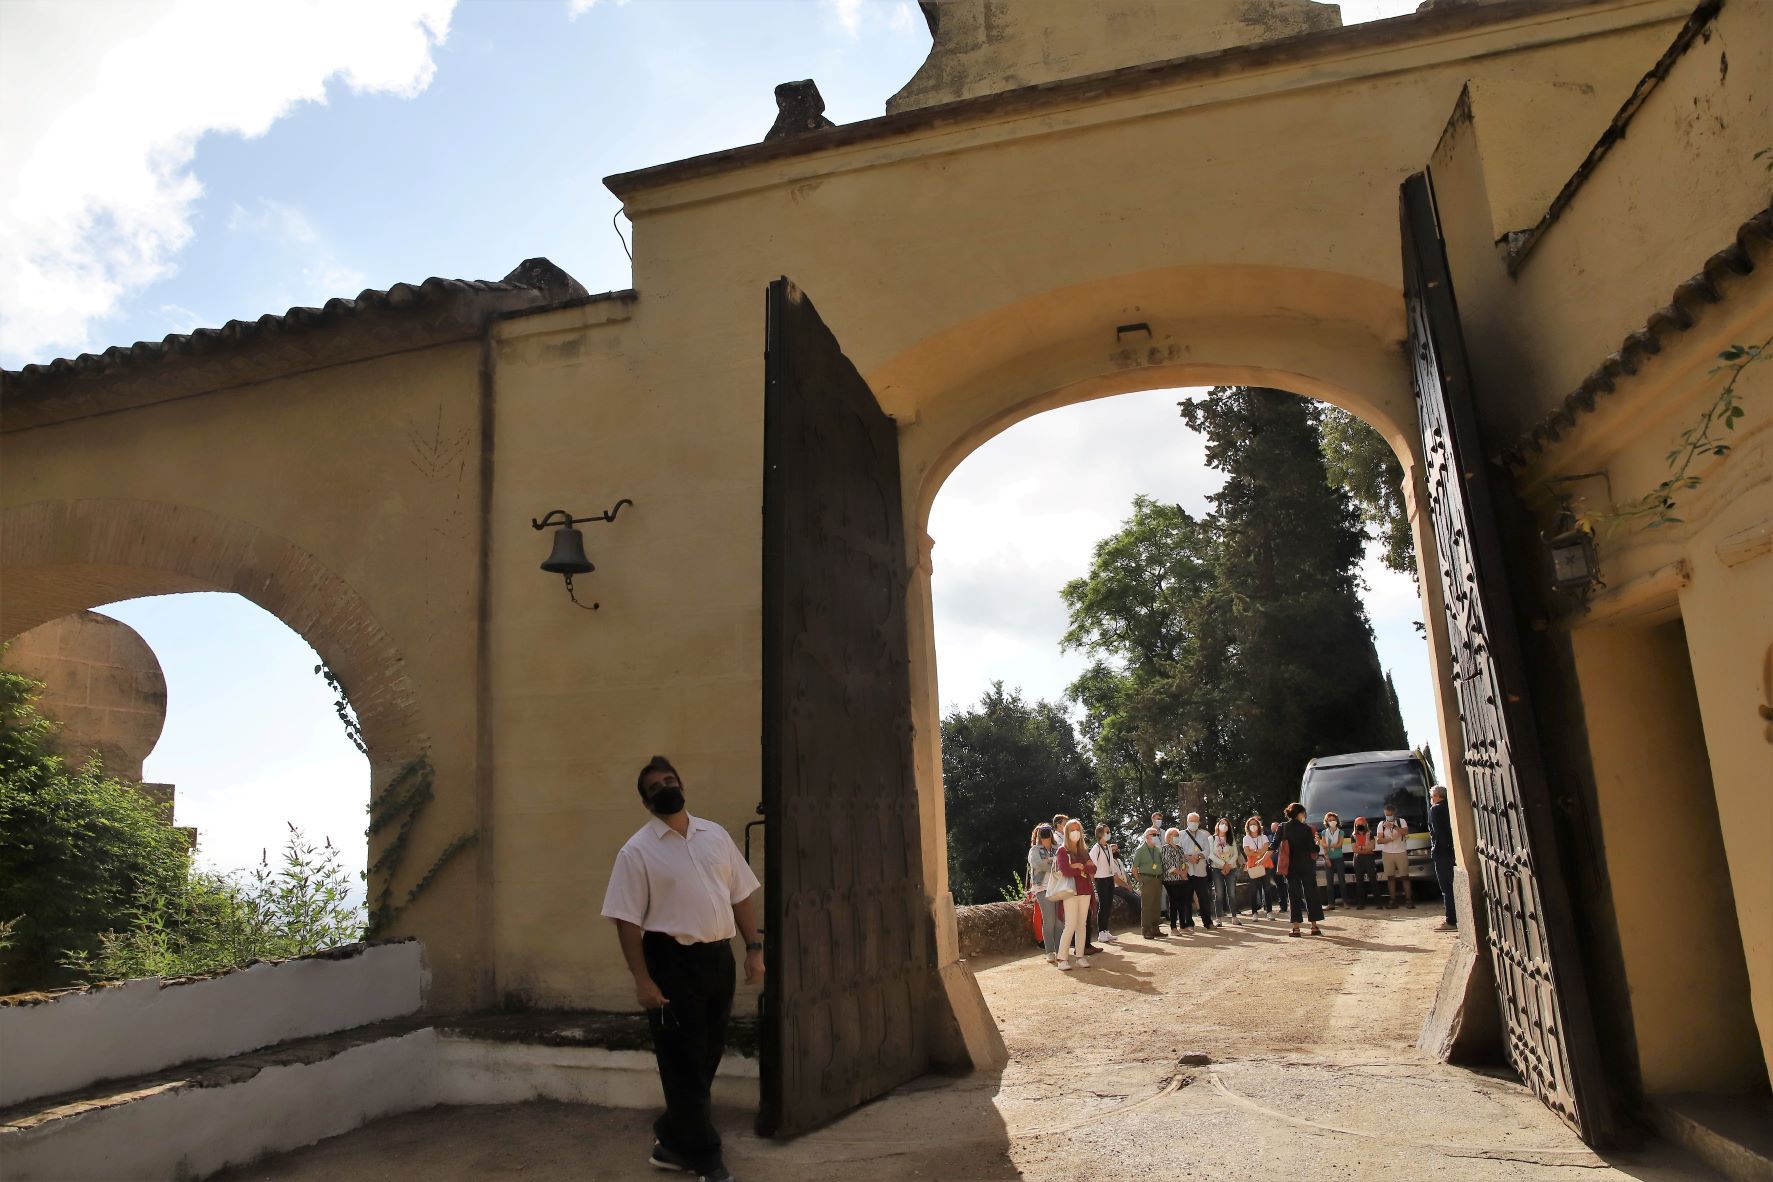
column 1689, row 301
column 341, row 330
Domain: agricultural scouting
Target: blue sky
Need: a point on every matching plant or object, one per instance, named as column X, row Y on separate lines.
column 171, row 164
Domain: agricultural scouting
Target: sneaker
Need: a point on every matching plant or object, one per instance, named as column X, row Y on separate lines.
column 1108, row 937
column 1051, row 957
column 1240, row 920
column 1064, row 965
column 664, row 1159
column 1083, row 962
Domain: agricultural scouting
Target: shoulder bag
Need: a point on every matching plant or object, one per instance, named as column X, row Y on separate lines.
column 1059, row 884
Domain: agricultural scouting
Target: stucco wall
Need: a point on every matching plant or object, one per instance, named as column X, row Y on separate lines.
column 345, row 500
column 136, row 1027
column 975, row 271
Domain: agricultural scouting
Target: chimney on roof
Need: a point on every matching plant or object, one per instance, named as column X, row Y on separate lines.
column 545, row 277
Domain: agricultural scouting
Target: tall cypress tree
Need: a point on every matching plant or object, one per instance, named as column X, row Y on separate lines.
column 1289, row 543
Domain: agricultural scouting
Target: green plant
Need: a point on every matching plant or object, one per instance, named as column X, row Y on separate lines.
column 212, row 922
column 1701, row 439
column 341, row 705
column 80, row 851
column 401, row 803
column 1017, row 890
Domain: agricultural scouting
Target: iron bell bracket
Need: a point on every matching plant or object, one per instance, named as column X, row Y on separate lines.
column 565, row 523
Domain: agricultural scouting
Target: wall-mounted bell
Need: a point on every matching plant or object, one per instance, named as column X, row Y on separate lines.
column 568, row 557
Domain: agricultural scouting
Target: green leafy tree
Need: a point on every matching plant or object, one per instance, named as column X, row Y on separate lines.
column 1149, row 614
column 80, row 851
column 1006, row 765
column 1307, row 676
column 211, row 922
column 1357, row 459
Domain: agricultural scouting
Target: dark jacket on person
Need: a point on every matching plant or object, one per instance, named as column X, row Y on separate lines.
column 1302, row 858
column 1440, row 831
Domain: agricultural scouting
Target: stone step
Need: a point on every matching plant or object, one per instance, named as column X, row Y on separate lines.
column 1731, row 1134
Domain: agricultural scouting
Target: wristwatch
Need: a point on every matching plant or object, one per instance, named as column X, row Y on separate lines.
column 754, row 946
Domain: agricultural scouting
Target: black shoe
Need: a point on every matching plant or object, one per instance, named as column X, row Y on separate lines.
column 664, row 1159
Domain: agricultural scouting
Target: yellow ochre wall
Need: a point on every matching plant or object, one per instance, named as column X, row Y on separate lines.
column 1646, row 218
column 363, row 477
column 975, row 272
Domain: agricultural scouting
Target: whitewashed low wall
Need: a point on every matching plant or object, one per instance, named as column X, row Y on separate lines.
column 143, row 1026
column 192, row 1132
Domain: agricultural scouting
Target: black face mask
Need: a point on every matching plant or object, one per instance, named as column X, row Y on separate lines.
column 666, row 802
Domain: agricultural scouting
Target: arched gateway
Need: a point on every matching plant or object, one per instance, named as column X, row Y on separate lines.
column 1046, row 215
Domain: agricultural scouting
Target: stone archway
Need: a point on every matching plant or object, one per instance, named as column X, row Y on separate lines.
column 1335, row 338
column 62, row 556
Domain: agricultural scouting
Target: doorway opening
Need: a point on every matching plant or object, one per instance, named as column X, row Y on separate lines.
column 1648, row 749
column 1079, row 565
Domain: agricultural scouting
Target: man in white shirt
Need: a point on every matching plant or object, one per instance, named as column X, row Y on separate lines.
column 1197, row 853
column 1394, row 855
column 678, row 889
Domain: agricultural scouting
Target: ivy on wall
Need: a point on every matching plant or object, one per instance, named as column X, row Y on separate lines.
column 401, row 804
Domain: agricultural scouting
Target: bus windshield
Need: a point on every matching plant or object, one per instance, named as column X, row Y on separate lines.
column 1363, row 789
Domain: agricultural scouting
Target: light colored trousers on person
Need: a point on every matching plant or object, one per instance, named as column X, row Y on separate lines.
column 1077, row 914
column 1052, row 921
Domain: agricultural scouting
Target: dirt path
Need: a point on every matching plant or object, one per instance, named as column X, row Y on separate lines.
column 1314, row 1073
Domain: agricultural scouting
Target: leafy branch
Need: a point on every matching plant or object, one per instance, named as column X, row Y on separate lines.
column 1703, row 439
column 341, row 706
column 401, row 803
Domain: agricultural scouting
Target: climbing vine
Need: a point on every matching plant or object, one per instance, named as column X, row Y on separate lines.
column 1704, row 438
column 401, row 804
column 341, row 706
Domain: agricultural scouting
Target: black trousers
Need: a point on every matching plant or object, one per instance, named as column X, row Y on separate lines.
column 1197, row 895
column 1302, row 892
column 1103, row 902
column 1175, row 900
column 1443, row 878
column 689, row 1036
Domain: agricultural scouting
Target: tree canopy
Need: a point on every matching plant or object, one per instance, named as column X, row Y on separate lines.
column 1007, row 765
column 1229, row 650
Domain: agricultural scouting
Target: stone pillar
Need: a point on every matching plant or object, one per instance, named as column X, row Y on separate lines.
column 963, row 1035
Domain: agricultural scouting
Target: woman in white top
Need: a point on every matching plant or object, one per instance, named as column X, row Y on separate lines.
column 1222, row 864
column 1259, row 867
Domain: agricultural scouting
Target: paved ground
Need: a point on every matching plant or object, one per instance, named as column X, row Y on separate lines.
column 1314, row 1073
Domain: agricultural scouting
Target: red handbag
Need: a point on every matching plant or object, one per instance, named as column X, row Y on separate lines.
column 1286, row 858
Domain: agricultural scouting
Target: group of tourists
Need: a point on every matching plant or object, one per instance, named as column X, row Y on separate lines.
column 1190, row 872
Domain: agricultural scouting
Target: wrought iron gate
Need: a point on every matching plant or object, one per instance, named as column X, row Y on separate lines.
column 850, row 949
column 1532, row 935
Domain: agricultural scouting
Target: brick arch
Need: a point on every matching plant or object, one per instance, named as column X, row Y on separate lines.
column 62, row 556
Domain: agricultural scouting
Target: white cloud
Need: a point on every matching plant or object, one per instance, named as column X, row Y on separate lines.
column 578, row 8
column 291, row 232
column 105, row 105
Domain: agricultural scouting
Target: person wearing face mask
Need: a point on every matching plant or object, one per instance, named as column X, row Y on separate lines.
column 1364, row 849
column 1224, row 869
column 678, row 889
column 1394, row 858
column 1301, row 859
column 1258, row 861
column 1043, row 852
column 1333, row 842
column 1148, row 864
column 1197, row 852
column 1175, row 877
column 1074, row 863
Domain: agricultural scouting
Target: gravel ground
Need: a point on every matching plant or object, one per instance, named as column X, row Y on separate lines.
column 1314, row 1072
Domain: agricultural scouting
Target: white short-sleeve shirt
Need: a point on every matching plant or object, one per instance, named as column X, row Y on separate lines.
column 684, row 887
